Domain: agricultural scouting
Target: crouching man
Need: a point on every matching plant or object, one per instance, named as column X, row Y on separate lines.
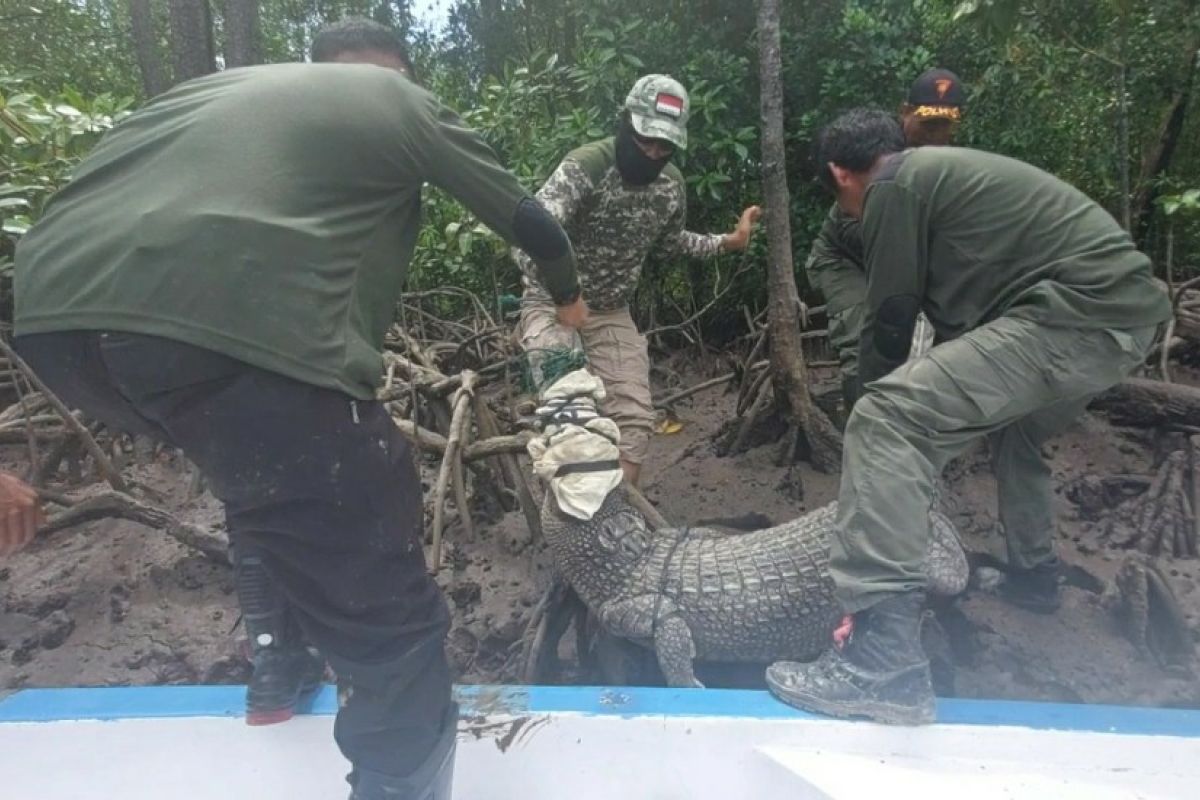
column 1041, row 301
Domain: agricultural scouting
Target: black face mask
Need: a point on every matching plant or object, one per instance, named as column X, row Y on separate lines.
column 635, row 166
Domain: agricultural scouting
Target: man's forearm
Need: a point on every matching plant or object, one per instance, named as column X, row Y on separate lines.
column 540, row 235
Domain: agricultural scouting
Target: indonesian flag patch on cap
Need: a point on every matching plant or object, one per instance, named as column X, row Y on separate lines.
column 669, row 104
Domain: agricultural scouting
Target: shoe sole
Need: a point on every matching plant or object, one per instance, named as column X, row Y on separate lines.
column 258, row 717
column 886, row 713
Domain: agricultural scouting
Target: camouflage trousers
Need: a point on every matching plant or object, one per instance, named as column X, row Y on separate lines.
column 616, row 354
column 1012, row 380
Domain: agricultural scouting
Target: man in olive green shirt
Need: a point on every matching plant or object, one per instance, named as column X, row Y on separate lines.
column 220, row 274
column 1039, row 301
column 930, row 116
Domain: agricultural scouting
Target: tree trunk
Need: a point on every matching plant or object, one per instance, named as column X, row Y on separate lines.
column 191, row 39
column 1170, row 130
column 242, row 38
column 789, row 374
column 491, row 36
column 1123, row 143
column 145, row 44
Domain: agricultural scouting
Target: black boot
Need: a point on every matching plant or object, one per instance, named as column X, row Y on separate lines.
column 1035, row 589
column 282, row 677
column 433, row 780
column 285, row 669
column 882, row 674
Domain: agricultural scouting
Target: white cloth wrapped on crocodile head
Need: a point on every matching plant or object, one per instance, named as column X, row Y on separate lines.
column 576, row 434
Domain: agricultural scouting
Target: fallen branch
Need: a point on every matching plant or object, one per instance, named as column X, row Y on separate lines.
column 639, row 501
column 210, row 543
column 484, row 448
column 1147, row 403
column 667, row 401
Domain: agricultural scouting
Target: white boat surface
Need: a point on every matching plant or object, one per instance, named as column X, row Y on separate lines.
column 593, row 743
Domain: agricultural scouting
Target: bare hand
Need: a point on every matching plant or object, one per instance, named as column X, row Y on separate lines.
column 20, row 514
column 573, row 315
column 741, row 233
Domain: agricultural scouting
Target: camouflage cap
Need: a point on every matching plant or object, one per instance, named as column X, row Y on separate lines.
column 658, row 107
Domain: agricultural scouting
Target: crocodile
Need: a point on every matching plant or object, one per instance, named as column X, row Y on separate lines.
column 698, row 593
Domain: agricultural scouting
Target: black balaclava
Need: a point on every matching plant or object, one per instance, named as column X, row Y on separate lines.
column 635, row 166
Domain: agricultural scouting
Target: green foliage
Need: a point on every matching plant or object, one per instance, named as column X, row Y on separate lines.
column 80, row 43
column 539, row 79
column 41, row 139
column 1186, row 204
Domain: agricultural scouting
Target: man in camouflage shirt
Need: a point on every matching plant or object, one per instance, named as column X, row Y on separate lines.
column 835, row 263
column 620, row 200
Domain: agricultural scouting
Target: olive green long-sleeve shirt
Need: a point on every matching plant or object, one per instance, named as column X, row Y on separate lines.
column 268, row 213
column 834, row 264
column 968, row 236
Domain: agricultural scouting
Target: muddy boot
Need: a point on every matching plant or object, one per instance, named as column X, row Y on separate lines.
column 433, row 780
column 882, row 674
column 285, row 669
column 282, row 677
column 1035, row 589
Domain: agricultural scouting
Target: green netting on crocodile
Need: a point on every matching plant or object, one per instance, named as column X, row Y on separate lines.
column 540, row 367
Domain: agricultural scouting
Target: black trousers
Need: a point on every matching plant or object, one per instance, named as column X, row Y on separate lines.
column 322, row 486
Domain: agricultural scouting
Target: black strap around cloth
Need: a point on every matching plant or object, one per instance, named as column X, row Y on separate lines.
column 590, row 466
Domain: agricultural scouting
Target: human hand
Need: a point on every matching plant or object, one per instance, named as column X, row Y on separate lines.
column 574, row 314
column 740, row 237
column 20, row 514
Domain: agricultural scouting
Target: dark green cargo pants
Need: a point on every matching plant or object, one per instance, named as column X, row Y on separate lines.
column 1014, row 381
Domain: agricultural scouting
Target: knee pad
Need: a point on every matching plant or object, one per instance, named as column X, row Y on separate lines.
column 894, row 322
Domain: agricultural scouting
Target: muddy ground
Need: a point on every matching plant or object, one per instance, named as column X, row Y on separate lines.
column 113, row 603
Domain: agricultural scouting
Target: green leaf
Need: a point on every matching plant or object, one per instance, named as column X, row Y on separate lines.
column 16, row 226
column 965, row 9
column 13, row 202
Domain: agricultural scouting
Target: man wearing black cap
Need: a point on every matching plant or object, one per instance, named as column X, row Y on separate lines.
column 835, row 265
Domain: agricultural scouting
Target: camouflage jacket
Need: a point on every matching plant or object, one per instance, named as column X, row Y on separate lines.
column 614, row 227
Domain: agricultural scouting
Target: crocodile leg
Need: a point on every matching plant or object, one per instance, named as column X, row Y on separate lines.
column 675, row 650
column 648, row 618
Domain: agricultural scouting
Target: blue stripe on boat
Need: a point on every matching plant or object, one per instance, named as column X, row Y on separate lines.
column 114, row 703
